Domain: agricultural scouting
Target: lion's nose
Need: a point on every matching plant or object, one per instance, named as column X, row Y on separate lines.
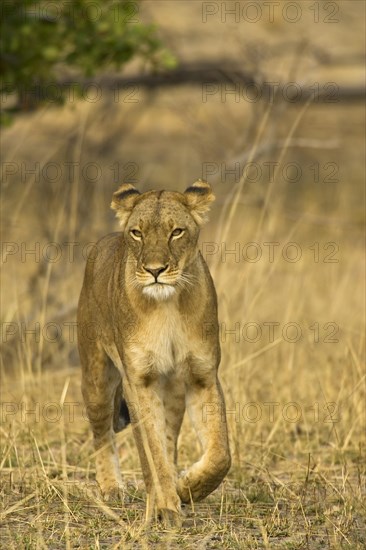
column 156, row 271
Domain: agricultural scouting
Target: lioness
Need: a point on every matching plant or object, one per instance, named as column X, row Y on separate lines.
column 155, row 348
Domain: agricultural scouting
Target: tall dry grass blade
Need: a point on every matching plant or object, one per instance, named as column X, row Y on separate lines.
column 28, row 186
column 279, row 163
column 262, row 287
column 234, row 204
column 17, row 505
column 75, row 186
column 45, row 292
column 256, row 354
column 64, row 469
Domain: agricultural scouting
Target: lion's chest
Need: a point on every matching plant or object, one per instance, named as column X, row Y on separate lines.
column 163, row 342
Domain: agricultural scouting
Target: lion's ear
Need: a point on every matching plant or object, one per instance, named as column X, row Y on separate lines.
column 123, row 201
column 198, row 198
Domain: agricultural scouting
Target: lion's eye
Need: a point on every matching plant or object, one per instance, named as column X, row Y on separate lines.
column 177, row 232
column 136, row 233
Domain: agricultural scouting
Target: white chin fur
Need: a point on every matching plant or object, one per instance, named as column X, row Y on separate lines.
column 159, row 291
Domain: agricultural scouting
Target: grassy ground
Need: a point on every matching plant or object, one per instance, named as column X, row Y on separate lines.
column 286, row 254
column 293, row 341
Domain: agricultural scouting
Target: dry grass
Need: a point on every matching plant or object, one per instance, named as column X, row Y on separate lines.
column 296, row 410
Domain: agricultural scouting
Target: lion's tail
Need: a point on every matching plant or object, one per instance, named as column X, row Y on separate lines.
column 121, row 418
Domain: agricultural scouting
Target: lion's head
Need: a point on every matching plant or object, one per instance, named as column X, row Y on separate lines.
column 161, row 231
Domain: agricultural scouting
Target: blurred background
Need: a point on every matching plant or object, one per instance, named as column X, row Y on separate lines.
column 265, row 100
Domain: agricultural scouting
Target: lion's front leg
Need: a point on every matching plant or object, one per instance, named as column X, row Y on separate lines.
column 149, row 427
column 174, row 406
column 206, row 408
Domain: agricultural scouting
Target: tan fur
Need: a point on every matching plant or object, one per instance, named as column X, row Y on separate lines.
column 147, row 317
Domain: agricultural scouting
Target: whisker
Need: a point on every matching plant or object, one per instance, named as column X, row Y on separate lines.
column 132, row 281
column 185, row 280
column 188, row 278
